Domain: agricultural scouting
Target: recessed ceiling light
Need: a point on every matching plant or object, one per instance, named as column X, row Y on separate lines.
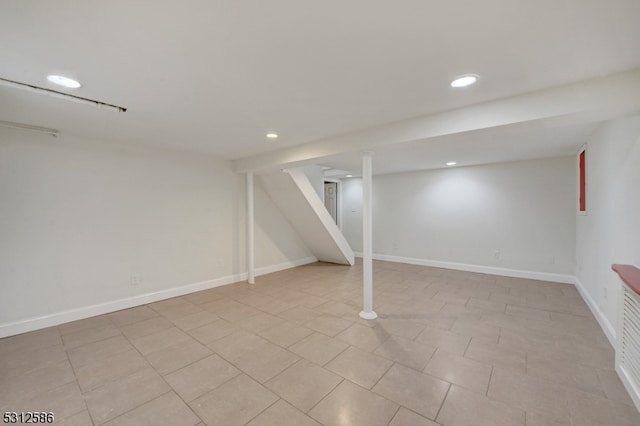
column 349, row 176
column 63, row 81
column 272, row 135
column 464, row 80
column 451, row 163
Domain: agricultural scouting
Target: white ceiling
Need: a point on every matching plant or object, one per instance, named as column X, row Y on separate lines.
column 485, row 146
column 215, row 76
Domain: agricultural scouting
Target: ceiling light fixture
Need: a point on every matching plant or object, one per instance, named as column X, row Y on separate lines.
column 60, row 95
column 63, row 81
column 349, row 176
column 464, row 80
column 451, row 163
column 272, row 135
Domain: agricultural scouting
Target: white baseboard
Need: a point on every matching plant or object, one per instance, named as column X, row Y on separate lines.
column 606, row 326
column 516, row 273
column 632, row 389
column 282, row 266
column 37, row 323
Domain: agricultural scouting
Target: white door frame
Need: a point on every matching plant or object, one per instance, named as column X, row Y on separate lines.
column 338, row 199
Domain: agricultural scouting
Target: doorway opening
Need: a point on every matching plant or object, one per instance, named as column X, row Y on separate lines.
column 331, row 199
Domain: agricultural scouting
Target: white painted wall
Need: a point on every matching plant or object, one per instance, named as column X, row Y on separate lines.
column 79, row 218
column 275, row 239
column 525, row 210
column 294, row 194
column 610, row 232
column 315, row 174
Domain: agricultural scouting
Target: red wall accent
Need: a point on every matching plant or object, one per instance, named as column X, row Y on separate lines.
column 583, row 182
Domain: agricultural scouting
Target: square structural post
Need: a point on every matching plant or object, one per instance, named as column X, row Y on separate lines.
column 250, row 243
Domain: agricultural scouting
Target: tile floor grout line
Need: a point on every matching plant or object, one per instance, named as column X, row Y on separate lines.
column 144, row 403
column 324, row 397
column 394, row 414
column 94, row 341
column 561, row 320
column 266, row 408
column 382, row 375
column 422, row 415
column 84, row 400
column 443, row 401
column 464, row 354
column 334, row 357
column 489, row 382
column 171, row 388
column 183, row 367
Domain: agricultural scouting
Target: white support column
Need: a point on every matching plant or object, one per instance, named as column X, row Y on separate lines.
column 367, row 240
column 250, row 244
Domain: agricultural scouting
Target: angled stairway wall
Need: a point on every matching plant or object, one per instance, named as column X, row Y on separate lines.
column 293, row 193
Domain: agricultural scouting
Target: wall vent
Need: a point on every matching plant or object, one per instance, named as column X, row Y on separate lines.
column 630, row 337
column 628, row 332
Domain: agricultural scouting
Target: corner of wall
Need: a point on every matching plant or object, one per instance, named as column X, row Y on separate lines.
column 608, row 329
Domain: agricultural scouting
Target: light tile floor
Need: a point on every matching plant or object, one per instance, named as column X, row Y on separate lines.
column 449, row 348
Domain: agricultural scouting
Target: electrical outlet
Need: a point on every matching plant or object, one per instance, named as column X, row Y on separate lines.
column 552, row 260
column 496, row 255
column 135, row 279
